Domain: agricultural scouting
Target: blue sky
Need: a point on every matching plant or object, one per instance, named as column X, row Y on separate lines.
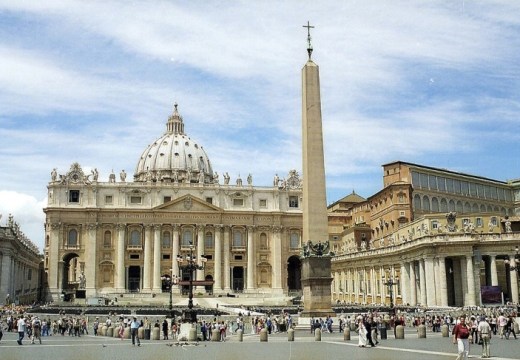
column 430, row 82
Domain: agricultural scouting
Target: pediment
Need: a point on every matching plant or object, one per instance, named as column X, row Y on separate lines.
column 188, row 203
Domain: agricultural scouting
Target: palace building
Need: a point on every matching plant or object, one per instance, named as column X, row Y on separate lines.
column 111, row 238
column 430, row 237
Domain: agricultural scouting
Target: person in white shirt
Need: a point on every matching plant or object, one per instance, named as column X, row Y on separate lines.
column 21, row 330
column 502, row 322
column 484, row 331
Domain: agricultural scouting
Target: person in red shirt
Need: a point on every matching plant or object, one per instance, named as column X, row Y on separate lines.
column 461, row 334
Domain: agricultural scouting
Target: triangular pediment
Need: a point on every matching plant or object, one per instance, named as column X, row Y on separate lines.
column 188, row 203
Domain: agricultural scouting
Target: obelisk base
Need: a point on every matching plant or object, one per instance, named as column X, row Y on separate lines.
column 316, row 282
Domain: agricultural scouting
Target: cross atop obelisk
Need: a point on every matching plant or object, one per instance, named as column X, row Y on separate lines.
column 309, row 45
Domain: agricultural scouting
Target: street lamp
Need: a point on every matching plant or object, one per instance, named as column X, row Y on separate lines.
column 189, row 264
column 515, row 263
column 390, row 282
column 169, row 282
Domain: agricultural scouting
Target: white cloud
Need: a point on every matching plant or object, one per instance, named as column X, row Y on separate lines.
column 27, row 211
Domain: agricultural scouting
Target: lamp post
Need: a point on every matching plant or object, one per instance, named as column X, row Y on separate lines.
column 514, row 265
column 390, row 282
column 189, row 264
column 169, row 282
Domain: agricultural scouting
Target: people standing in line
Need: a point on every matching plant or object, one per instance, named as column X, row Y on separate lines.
column 461, row 334
column 134, row 329
column 484, row 331
column 21, row 329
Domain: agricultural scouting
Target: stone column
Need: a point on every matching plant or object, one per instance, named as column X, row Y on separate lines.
column 200, row 252
column 147, row 259
column 227, row 282
column 413, row 285
column 217, row 288
column 405, row 282
column 157, row 285
column 431, row 295
column 175, row 251
column 422, row 280
column 494, row 273
column 55, row 283
column 443, row 283
column 120, row 262
column 251, row 268
column 470, row 301
column 91, row 263
column 277, row 259
column 514, row 285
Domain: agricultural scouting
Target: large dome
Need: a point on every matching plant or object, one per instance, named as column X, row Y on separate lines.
column 174, row 157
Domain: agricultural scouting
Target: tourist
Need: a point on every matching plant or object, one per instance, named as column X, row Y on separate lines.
column 484, row 331
column 36, row 325
column 461, row 339
column 362, row 332
column 21, row 329
column 134, row 329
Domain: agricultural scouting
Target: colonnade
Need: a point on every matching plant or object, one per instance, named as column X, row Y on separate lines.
column 429, row 281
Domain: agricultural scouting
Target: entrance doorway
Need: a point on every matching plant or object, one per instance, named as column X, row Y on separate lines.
column 294, row 274
column 238, row 279
column 134, row 278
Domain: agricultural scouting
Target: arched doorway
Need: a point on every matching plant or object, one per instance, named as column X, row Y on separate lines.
column 294, row 274
column 165, row 283
column 72, row 269
column 238, row 278
column 134, row 278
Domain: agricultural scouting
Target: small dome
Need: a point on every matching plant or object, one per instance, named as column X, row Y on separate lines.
column 174, row 157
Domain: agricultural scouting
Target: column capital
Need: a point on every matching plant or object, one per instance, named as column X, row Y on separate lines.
column 176, row 227
column 120, row 226
column 251, row 228
column 157, row 226
column 201, row 227
column 56, row 225
column 277, row 228
column 92, row 226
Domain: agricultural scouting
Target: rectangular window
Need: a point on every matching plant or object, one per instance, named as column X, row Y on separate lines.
column 441, row 183
column 109, row 199
column 135, row 199
column 209, row 257
column 166, row 256
column 167, row 199
column 238, row 257
column 493, row 221
column 435, row 224
column 263, row 203
column 293, row 201
column 238, row 202
column 449, row 185
column 74, row 196
column 479, row 222
column 29, row 274
column 209, row 200
column 134, row 256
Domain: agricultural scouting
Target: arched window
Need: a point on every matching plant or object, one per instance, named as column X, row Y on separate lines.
column 263, row 241
column 72, row 239
column 467, row 207
column 166, row 240
column 451, row 205
column 238, row 239
column 426, row 203
column 444, row 205
column 107, row 239
column 458, row 207
column 435, row 205
column 474, row 208
column 135, row 238
column 417, row 202
column 187, row 237
column 295, row 240
column 208, row 241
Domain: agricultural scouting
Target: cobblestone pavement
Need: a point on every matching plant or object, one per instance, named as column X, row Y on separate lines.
column 304, row 347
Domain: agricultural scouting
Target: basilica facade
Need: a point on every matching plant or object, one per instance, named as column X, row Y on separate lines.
column 116, row 237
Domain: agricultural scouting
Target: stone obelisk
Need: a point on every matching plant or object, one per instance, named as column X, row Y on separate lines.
column 316, row 266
